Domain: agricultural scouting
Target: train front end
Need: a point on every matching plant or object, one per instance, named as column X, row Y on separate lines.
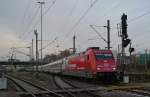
column 105, row 64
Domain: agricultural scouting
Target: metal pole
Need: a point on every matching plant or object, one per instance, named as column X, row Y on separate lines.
column 145, row 59
column 32, row 51
column 130, row 48
column 122, row 65
column 35, row 32
column 41, row 3
column 130, row 53
column 74, row 48
column 122, row 58
column 41, row 34
column 108, row 34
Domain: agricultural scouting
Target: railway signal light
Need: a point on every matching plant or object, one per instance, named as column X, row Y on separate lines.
column 131, row 50
column 124, row 26
column 126, row 42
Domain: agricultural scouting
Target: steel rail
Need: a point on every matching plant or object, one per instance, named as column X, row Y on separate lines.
column 64, row 89
column 39, row 87
column 87, row 91
column 20, row 86
column 139, row 92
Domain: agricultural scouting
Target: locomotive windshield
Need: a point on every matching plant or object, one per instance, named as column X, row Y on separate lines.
column 103, row 56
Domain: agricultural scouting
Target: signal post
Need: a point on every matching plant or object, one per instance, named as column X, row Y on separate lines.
column 125, row 42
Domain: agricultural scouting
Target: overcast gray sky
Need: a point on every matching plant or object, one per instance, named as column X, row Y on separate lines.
column 19, row 18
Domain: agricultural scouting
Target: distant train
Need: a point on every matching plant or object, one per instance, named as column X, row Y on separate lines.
column 93, row 63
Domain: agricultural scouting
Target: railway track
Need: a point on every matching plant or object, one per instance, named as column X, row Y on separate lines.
column 28, row 89
column 138, row 92
column 60, row 84
column 71, row 88
column 129, row 91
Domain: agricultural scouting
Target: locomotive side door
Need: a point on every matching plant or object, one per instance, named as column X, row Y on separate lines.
column 87, row 63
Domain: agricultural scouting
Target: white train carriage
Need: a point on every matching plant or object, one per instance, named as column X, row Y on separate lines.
column 54, row 67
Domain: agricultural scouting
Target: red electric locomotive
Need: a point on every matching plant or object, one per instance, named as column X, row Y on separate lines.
column 93, row 63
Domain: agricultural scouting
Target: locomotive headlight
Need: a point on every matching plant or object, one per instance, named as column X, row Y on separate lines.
column 114, row 68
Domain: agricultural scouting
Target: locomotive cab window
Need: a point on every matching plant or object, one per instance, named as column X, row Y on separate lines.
column 103, row 56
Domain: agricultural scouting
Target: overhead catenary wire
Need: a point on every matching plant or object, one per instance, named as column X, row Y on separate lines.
column 53, row 2
column 25, row 13
column 24, row 19
column 98, row 33
column 38, row 21
column 142, row 16
column 49, row 44
column 115, row 5
column 32, row 19
column 78, row 22
column 85, row 13
column 70, row 14
column 138, row 17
